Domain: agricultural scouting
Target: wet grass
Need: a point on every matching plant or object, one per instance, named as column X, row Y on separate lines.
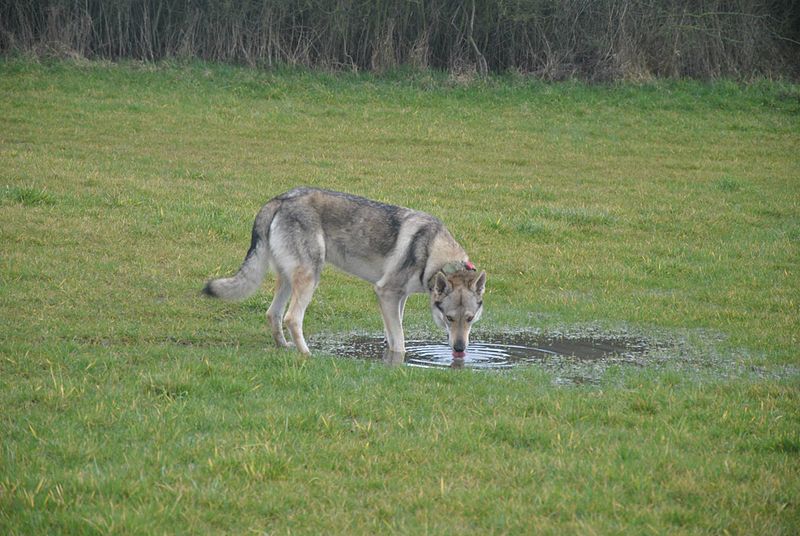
column 132, row 405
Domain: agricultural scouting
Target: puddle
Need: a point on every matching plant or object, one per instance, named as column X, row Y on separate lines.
column 574, row 355
column 503, row 352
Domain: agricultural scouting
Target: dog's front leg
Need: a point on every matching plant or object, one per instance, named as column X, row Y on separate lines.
column 391, row 303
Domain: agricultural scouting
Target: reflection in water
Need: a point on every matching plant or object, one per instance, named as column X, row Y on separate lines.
column 479, row 355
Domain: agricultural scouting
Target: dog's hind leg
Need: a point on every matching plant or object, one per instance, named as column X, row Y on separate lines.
column 304, row 282
column 283, row 291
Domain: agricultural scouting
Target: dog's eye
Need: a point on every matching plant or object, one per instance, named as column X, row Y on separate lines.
column 470, row 318
column 450, row 318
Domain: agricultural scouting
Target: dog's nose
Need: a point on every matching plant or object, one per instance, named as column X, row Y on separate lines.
column 459, row 346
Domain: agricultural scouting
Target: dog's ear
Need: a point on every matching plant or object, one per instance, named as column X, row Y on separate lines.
column 479, row 285
column 441, row 286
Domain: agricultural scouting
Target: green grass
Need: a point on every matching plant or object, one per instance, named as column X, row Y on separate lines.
column 131, row 405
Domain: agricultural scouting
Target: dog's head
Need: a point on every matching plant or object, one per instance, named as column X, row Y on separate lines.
column 456, row 304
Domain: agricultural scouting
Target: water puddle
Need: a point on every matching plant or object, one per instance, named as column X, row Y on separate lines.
column 575, row 355
column 502, row 351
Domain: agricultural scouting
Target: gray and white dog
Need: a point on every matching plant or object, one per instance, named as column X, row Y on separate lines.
column 399, row 250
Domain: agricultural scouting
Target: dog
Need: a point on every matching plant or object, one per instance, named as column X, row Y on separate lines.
column 399, row 250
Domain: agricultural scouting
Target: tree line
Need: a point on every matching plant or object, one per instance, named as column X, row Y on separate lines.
column 551, row 39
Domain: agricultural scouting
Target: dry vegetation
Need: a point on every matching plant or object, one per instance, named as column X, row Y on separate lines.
column 589, row 39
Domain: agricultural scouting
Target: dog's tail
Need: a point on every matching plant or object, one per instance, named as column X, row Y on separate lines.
column 256, row 262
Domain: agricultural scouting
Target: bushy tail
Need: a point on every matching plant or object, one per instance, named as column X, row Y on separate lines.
column 255, row 265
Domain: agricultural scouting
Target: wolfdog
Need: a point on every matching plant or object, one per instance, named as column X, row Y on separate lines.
column 399, row 250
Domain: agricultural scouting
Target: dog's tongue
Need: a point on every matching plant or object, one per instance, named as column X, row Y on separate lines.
column 458, row 355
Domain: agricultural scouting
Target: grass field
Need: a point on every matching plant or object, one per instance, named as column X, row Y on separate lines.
column 132, row 405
